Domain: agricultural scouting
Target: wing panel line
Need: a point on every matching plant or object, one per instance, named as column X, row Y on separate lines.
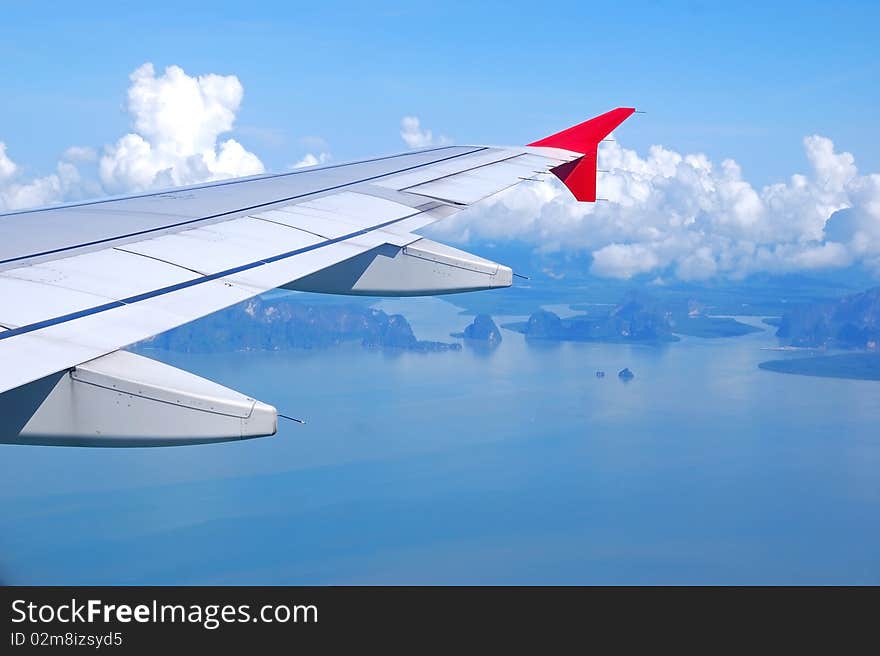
column 450, row 175
column 158, row 259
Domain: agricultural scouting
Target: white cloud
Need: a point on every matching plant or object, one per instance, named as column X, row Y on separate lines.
column 310, row 159
column 80, row 154
column 623, row 260
column 7, row 166
column 696, row 219
column 177, row 121
column 17, row 192
column 415, row 136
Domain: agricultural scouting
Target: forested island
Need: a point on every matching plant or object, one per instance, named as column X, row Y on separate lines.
column 286, row 322
column 851, row 323
column 638, row 318
column 482, row 330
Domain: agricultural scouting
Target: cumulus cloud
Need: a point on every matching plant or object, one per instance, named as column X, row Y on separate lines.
column 682, row 214
column 177, row 121
column 415, row 136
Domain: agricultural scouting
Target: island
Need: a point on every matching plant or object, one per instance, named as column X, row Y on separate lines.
column 851, row 323
column 284, row 321
column 856, row 366
column 711, row 327
column 637, row 319
column 482, row 330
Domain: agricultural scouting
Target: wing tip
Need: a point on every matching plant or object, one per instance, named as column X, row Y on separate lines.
column 579, row 175
column 579, row 137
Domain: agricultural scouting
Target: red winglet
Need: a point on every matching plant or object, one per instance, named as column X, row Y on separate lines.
column 579, row 175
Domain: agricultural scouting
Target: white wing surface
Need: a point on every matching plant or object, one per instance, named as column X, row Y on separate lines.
column 82, row 281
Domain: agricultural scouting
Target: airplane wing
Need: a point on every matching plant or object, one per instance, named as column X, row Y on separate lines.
column 80, row 282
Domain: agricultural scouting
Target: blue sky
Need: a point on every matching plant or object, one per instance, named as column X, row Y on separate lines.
column 743, row 81
column 776, row 90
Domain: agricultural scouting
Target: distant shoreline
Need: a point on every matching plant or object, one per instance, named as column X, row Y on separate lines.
column 852, row 366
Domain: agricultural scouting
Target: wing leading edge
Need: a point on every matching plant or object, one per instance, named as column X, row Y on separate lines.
column 80, row 282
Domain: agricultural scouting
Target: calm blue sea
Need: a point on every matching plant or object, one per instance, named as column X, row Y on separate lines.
column 511, row 466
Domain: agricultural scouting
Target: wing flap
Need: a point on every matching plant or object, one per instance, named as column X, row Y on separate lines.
column 110, row 273
column 337, row 215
